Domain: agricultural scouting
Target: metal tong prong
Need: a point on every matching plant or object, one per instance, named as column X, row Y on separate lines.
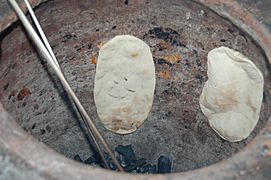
column 47, row 52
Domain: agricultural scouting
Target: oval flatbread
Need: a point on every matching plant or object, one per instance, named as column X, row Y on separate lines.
column 231, row 98
column 124, row 83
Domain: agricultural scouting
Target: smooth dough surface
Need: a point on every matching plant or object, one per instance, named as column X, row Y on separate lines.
column 124, row 83
column 231, row 98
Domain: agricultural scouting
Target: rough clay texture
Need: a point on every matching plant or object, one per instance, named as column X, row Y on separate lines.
column 231, row 98
column 178, row 31
column 124, row 83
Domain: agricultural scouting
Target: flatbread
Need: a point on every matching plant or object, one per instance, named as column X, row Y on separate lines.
column 231, row 98
column 124, row 83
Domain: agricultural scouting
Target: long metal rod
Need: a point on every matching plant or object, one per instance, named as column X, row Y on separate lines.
column 49, row 48
column 40, row 31
column 95, row 141
column 62, row 79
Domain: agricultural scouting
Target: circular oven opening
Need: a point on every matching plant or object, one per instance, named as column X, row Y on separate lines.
column 176, row 127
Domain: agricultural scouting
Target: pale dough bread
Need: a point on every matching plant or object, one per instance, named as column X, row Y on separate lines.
column 231, row 98
column 124, row 83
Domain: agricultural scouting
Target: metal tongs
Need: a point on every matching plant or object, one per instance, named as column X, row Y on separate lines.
column 47, row 52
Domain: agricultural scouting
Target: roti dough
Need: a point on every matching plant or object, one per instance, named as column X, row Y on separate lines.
column 124, row 83
column 231, row 98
